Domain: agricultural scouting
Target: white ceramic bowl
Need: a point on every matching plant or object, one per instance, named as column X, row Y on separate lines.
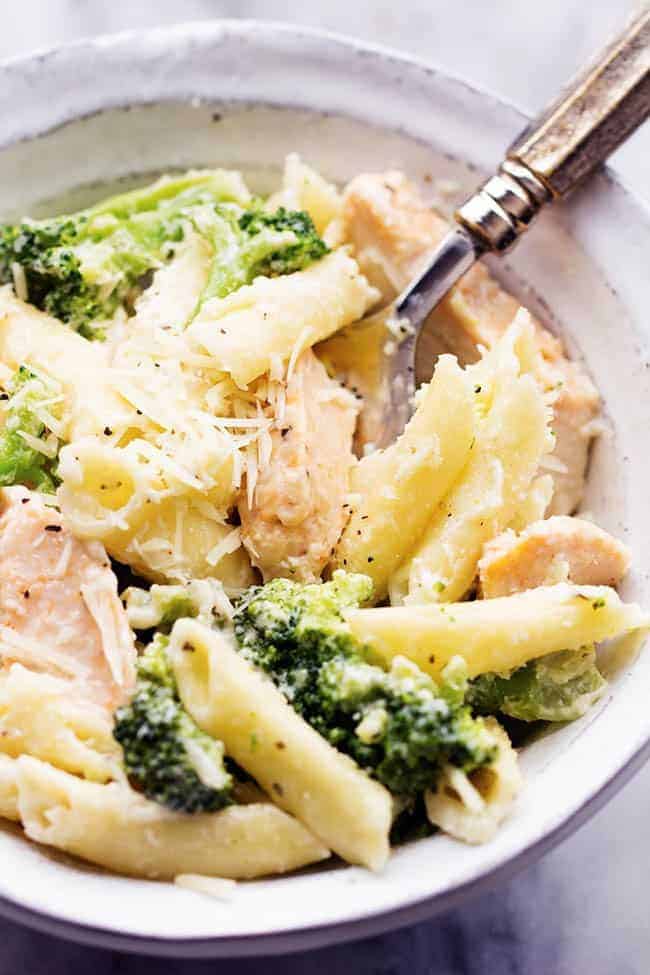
column 243, row 94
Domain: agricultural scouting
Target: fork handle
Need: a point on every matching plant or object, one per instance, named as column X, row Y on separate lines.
column 599, row 109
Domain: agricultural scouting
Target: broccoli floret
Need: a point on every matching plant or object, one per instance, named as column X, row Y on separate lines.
column 166, row 756
column 20, row 461
column 82, row 267
column 398, row 725
column 161, row 605
column 307, row 248
column 558, row 687
column 248, row 244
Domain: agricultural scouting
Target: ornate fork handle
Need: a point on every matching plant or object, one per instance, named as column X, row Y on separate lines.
column 601, row 106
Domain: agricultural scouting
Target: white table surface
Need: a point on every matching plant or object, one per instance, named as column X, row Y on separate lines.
column 585, row 907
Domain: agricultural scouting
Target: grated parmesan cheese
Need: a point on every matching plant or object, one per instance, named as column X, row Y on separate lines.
column 230, row 543
column 216, row 887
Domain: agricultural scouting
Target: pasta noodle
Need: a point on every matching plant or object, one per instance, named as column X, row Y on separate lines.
column 497, row 635
column 112, row 826
column 40, row 716
column 349, row 812
column 266, row 320
column 510, row 442
column 472, row 807
column 28, row 336
column 399, row 488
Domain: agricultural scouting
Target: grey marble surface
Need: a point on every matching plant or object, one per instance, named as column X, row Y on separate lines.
column 584, row 908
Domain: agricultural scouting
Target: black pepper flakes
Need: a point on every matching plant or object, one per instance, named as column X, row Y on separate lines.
column 53, row 528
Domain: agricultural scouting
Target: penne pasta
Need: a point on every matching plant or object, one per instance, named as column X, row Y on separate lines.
column 275, row 318
column 510, row 443
column 41, row 715
column 114, row 827
column 28, row 336
column 472, row 807
column 8, row 788
column 302, row 773
column 400, row 487
column 497, row 635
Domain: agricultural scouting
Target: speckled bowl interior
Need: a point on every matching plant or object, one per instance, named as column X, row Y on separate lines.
column 243, row 95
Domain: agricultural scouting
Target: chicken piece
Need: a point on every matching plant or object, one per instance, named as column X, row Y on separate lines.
column 555, row 550
column 298, row 510
column 59, row 608
column 393, row 231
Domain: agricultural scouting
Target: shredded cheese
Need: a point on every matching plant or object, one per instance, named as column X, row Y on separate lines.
column 230, row 543
column 216, row 887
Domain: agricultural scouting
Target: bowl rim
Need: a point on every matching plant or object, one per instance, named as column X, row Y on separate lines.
column 408, row 912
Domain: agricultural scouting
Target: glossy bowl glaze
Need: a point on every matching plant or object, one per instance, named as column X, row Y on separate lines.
column 243, row 94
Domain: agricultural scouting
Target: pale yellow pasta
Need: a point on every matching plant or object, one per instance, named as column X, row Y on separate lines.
column 472, row 807
column 305, row 189
column 148, row 516
column 174, row 292
column 114, row 827
column 272, row 318
column 510, row 442
column 48, row 718
column 30, row 337
column 497, row 635
column 8, row 788
column 303, row 774
column 396, row 490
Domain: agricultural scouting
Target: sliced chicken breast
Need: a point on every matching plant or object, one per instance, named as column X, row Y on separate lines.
column 555, row 550
column 59, row 608
column 298, row 512
column 393, row 231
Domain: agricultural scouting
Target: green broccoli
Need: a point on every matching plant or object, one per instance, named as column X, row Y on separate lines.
column 308, row 246
column 161, row 605
column 398, row 725
column 251, row 243
column 82, row 267
column 558, row 687
column 166, row 756
column 20, row 461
